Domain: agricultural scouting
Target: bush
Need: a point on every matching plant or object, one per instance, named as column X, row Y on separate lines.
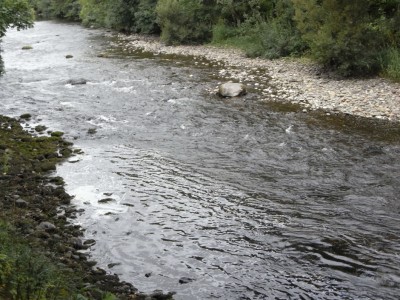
column 62, row 9
column 185, row 21
column 145, row 17
column 119, row 14
column 391, row 63
column 346, row 35
column 272, row 34
column 25, row 274
column 278, row 39
column 222, row 32
column 93, row 12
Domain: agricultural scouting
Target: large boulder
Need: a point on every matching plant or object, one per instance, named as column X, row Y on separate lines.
column 231, row 89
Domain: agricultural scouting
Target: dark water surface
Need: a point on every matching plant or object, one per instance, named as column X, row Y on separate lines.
column 248, row 201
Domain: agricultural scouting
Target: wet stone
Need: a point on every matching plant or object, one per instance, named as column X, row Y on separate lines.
column 79, row 81
column 89, row 242
column 185, row 280
column 106, row 200
column 46, row 226
column 21, row 203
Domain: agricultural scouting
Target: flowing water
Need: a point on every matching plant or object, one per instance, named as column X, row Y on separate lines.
column 246, row 201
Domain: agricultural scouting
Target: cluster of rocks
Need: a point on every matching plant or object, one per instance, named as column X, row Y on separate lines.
column 296, row 81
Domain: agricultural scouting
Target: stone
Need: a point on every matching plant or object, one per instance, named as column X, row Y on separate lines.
column 231, row 89
column 46, row 226
column 79, row 81
column 21, row 203
column 106, row 200
column 78, row 244
column 185, row 280
column 90, row 242
column 68, row 56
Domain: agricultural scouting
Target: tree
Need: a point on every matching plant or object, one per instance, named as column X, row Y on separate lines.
column 15, row 14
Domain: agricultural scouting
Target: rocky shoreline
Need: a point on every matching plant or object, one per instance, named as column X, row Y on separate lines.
column 37, row 208
column 288, row 80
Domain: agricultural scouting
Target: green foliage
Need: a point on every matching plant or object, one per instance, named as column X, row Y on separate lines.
column 346, row 35
column 185, row 21
column 122, row 15
column 93, row 12
column 15, row 13
column 279, row 39
column 145, row 17
column 61, row 9
column 267, row 29
column 235, row 12
column 26, row 274
column 391, row 63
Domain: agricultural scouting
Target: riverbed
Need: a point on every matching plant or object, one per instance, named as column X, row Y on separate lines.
column 212, row 198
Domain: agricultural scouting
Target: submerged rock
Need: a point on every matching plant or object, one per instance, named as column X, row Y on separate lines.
column 231, row 89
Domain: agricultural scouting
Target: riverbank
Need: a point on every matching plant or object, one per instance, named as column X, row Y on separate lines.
column 288, row 80
column 42, row 253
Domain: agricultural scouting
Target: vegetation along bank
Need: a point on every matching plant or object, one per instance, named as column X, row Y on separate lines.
column 354, row 38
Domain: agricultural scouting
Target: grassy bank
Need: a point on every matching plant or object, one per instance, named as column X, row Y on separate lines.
column 40, row 251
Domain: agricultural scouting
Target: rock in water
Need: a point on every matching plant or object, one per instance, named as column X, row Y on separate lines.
column 77, row 81
column 231, row 89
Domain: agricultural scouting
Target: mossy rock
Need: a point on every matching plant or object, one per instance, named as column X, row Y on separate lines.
column 66, row 152
column 40, row 128
column 26, row 116
column 57, row 180
column 46, row 166
column 76, row 151
column 57, row 134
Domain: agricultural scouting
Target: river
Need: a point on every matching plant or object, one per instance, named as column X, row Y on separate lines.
column 235, row 199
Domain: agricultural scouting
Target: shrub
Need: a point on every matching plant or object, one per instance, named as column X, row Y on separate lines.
column 119, row 14
column 63, row 9
column 145, row 17
column 185, row 21
column 391, row 63
column 93, row 12
column 269, row 33
column 279, row 39
column 222, row 32
column 345, row 35
column 25, row 274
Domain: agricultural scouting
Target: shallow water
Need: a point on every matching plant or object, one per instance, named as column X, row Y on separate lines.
column 248, row 201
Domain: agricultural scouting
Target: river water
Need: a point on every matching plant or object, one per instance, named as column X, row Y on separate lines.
column 247, row 201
